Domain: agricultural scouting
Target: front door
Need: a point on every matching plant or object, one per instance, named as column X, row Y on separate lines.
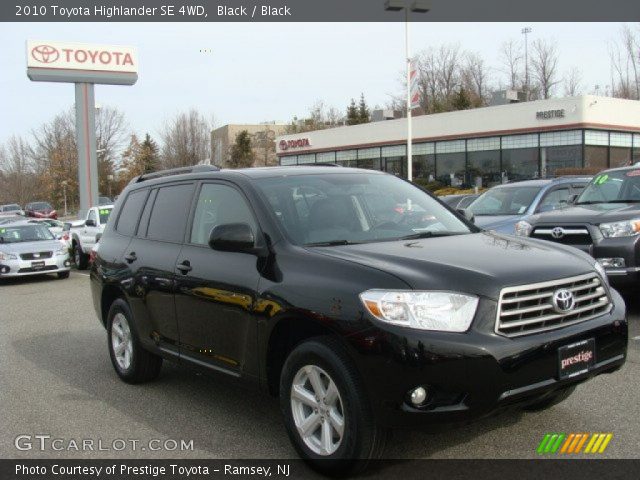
column 216, row 290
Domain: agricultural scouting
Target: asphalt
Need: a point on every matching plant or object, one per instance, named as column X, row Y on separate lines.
column 56, row 379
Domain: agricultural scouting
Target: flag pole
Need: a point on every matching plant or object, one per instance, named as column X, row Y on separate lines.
column 409, row 132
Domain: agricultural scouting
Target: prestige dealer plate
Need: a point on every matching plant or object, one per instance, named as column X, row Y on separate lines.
column 577, row 358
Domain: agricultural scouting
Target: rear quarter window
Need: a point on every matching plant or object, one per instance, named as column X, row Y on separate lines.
column 128, row 219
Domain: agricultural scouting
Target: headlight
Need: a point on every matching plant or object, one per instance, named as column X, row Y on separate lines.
column 63, row 250
column 8, row 256
column 628, row 228
column 523, row 228
column 426, row 310
column 602, row 272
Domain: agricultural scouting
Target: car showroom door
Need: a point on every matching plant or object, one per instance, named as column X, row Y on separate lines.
column 151, row 256
column 216, row 290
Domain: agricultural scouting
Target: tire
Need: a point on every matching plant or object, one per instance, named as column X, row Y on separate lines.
column 550, row 401
column 63, row 275
column 362, row 439
column 81, row 259
column 132, row 363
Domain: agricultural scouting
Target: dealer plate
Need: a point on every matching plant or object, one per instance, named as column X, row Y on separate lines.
column 577, row 358
column 37, row 265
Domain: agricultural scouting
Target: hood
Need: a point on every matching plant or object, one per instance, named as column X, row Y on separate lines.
column 28, row 247
column 480, row 263
column 594, row 214
column 501, row 223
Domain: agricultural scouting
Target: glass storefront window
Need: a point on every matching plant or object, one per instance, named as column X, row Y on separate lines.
column 636, row 155
column 451, row 168
column 424, row 166
column 619, row 157
column 557, row 161
column 483, row 168
column 289, row 160
column 595, row 157
column 326, row 157
column 348, row 163
column 370, row 163
column 520, row 164
column 395, row 166
column 307, row 158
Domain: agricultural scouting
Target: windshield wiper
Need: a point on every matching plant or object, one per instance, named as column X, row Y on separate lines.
column 590, row 202
column 416, row 236
column 624, row 201
column 331, row 243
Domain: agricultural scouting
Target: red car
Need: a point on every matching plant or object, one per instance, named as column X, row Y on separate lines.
column 40, row 210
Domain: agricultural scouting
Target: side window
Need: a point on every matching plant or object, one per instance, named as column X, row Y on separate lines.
column 146, row 213
column 552, row 200
column 218, row 205
column 128, row 219
column 170, row 211
column 92, row 216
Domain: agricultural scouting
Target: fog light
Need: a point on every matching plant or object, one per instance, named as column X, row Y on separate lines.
column 418, row 396
column 67, row 263
column 4, row 270
column 615, row 262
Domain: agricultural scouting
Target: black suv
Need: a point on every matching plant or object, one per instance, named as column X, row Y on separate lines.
column 603, row 221
column 358, row 298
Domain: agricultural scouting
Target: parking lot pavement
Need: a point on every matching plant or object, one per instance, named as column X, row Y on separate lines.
column 56, row 379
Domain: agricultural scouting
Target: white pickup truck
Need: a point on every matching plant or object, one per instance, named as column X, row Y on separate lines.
column 86, row 233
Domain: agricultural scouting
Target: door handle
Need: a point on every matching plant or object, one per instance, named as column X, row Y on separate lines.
column 184, row 267
column 131, row 257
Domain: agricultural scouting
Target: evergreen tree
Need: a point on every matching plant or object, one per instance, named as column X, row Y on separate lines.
column 461, row 100
column 352, row 113
column 242, row 155
column 147, row 158
column 363, row 111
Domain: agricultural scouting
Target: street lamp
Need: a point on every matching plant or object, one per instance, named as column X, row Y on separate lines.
column 526, row 31
column 64, row 193
column 418, row 6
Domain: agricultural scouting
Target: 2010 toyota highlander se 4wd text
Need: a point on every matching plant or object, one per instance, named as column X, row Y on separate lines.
column 359, row 299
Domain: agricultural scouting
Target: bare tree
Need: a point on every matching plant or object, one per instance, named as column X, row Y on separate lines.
column 573, row 82
column 186, row 140
column 17, row 173
column 111, row 130
column 319, row 117
column 475, row 77
column 511, row 57
column 625, row 58
column 545, row 66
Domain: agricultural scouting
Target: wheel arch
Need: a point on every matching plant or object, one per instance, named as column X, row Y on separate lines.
column 110, row 293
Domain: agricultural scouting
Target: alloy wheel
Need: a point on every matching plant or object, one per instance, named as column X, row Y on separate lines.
column 121, row 341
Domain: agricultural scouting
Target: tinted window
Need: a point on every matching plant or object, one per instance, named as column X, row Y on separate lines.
column 505, row 201
column 219, row 205
column 131, row 212
column 170, row 211
column 553, row 199
column 104, row 215
column 146, row 213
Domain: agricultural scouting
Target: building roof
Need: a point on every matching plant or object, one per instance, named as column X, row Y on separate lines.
column 519, row 118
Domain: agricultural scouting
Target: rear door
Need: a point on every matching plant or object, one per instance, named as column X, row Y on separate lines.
column 216, row 291
column 151, row 257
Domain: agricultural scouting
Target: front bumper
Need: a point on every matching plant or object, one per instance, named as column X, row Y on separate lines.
column 22, row 268
column 478, row 373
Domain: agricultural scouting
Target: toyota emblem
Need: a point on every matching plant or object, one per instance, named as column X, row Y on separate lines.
column 283, row 145
column 563, row 300
column 557, row 232
column 45, row 53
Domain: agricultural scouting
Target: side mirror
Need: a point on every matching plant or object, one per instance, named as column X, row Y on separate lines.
column 232, row 237
column 467, row 214
column 90, row 223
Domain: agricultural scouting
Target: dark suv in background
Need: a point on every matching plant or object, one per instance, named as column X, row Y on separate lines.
column 313, row 284
column 603, row 221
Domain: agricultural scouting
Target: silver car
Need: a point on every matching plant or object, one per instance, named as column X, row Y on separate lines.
column 31, row 249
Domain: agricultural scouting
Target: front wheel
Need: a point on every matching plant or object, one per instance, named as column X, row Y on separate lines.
column 326, row 409
column 79, row 257
column 63, row 275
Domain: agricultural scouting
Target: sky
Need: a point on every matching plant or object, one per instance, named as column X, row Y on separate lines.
column 255, row 72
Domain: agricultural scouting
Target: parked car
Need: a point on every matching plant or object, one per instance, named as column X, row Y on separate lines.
column 40, row 210
column 358, row 323
column 604, row 221
column 502, row 207
column 104, row 201
column 10, row 210
column 87, row 234
column 28, row 248
column 459, row 201
column 57, row 228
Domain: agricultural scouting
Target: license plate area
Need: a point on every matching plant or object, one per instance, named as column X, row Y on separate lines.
column 37, row 265
column 577, row 358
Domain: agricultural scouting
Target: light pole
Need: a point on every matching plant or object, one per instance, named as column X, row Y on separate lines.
column 64, row 193
column 526, row 31
column 418, row 6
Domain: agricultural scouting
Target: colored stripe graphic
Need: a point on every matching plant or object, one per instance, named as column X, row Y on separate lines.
column 573, row 443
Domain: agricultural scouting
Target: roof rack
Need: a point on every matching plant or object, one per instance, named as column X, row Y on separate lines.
column 319, row 165
column 175, row 171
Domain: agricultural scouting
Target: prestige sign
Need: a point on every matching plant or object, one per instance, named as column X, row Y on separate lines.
column 81, row 62
column 548, row 114
column 297, row 143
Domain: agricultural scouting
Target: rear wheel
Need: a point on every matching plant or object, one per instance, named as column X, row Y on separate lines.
column 326, row 409
column 132, row 363
column 80, row 258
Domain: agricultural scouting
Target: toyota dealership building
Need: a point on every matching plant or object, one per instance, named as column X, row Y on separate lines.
column 484, row 146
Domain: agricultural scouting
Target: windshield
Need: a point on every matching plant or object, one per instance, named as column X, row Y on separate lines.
column 104, row 215
column 40, row 206
column 505, row 201
column 10, row 208
column 362, row 207
column 25, row 233
column 622, row 186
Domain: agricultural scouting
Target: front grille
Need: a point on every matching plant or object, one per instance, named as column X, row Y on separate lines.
column 529, row 309
column 32, row 256
column 43, row 269
column 568, row 235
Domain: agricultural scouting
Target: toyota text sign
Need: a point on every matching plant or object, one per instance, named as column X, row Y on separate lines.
column 81, row 62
